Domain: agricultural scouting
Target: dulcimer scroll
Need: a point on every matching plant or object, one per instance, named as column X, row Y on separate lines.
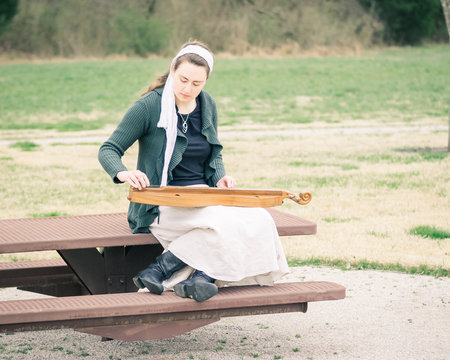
column 182, row 196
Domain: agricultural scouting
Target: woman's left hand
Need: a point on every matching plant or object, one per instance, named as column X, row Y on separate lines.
column 226, row 182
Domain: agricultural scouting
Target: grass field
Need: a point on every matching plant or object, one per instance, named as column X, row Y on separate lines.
column 379, row 199
column 405, row 86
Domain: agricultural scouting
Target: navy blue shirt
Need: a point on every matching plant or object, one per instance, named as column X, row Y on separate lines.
column 191, row 169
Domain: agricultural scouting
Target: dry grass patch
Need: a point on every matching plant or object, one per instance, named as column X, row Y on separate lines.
column 364, row 208
column 367, row 195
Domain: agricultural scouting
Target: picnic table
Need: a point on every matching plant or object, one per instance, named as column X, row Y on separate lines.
column 91, row 285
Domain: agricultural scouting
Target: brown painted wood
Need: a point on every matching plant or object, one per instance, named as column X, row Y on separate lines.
column 108, row 272
column 87, row 312
column 68, row 232
column 39, row 272
column 129, row 316
column 112, row 271
column 103, row 230
column 49, row 277
column 136, row 332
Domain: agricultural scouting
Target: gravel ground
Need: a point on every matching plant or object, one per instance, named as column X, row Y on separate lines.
column 384, row 316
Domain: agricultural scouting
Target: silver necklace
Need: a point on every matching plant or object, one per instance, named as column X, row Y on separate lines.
column 184, row 124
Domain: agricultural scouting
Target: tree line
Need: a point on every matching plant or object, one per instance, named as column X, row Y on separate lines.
column 143, row 27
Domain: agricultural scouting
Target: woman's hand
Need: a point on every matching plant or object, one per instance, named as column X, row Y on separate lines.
column 226, row 182
column 135, row 178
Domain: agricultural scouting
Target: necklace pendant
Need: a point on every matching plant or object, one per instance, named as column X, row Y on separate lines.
column 184, row 124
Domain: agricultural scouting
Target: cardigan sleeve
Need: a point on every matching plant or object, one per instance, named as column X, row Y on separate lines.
column 220, row 170
column 218, row 162
column 130, row 129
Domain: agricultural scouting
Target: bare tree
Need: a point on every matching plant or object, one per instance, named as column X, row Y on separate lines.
column 446, row 7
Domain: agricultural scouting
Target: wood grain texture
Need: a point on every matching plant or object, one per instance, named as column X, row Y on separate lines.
column 182, row 196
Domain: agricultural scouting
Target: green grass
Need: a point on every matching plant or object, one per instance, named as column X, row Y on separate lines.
column 430, row 232
column 370, row 265
column 339, row 220
column 317, row 164
column 25, row 145
column 86, row 143
column 70, row 88
column 434, row 156
column 402, row 159
column 50, row 214
column 407, row 84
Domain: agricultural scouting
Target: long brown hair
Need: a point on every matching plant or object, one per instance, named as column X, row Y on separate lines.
column 192, row 58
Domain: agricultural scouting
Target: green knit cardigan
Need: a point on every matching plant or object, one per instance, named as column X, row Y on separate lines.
column 139, row 123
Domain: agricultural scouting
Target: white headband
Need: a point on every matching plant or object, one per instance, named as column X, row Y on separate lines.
column 168, row 118
column 199, row 50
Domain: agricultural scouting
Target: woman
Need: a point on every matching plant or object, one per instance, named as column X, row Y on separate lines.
column 175, row 122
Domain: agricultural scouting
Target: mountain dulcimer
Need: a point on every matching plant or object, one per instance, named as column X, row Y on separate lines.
column 182, row 196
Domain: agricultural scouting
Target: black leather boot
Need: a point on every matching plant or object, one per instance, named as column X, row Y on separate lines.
column 199, row 287
column 153, row 276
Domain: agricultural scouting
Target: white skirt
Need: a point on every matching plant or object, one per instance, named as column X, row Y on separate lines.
column 234, row 245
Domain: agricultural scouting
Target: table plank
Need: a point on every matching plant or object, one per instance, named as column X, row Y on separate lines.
column 102, row 230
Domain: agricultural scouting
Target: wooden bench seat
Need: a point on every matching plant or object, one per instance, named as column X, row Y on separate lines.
column 23, row 273
column 52, row 277
column 140, row 316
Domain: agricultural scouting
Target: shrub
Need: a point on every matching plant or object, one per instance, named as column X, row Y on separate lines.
column 8, row 8
column 408, row 22
column 136, row 33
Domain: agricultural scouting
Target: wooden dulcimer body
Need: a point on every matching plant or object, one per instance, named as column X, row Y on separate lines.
column 182, row 196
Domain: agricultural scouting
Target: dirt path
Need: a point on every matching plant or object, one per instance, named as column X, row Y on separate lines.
column 384, row 316
column 255, row 133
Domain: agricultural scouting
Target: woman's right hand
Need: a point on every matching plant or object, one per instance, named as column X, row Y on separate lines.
column 135, row 178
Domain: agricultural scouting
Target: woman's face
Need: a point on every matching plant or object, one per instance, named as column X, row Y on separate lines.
column 188, row 81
